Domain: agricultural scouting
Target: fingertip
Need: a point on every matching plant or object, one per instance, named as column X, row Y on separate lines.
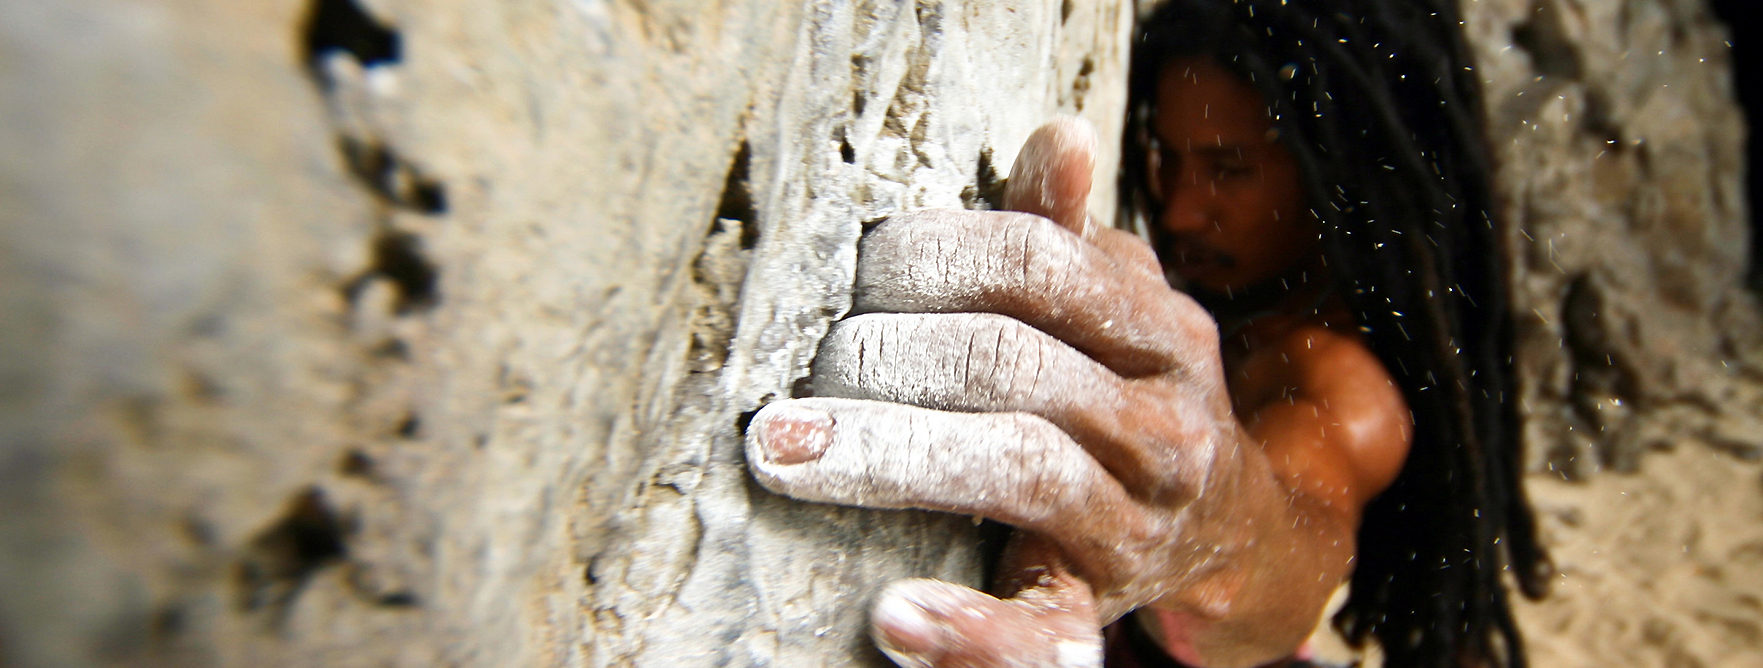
column 924, row 622
column 791, row 433
column 905, row 631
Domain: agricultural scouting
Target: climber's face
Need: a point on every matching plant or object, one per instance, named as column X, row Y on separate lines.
column 1233, row 212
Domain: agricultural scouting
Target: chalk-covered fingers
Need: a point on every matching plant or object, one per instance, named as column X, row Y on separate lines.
column 930, row 623
column 1012, row 467
column 1143, row 432
column 971, row 362
column 1028, row 268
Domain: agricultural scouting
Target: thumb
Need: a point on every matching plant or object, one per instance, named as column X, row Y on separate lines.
column 1052, row 174
column 930, row 623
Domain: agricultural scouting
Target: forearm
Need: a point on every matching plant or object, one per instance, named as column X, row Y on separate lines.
column 1276, row 555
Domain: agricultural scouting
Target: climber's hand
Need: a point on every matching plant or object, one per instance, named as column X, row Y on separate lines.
column 1031, row 368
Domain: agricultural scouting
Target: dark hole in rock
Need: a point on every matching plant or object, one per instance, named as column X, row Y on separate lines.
column 281, row 559
column 198, row 530
column 428, row 197
column 988, row 186
column 168, row 622
column 379, row 169
column 743, row 420
column 370, row 163
column 342, row 25
column 357, row 464
column 1551, row 52
column 736, row 202
column 392, row 348
column 397, row 256
column 399, row 599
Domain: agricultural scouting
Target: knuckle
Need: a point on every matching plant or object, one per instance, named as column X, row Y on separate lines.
column 1193, row 322
column 1062, row 461
column 1136, row 253
column 1027, row 254
column 1035, row 463
column 1051, row 256
column 1190, row 474
column 1126, row 242
column 1003, row 357
column 1180, row 440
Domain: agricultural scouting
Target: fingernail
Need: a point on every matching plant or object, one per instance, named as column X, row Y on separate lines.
column 791, row 434
column 906, row 632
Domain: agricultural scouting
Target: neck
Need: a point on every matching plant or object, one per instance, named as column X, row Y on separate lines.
column 1300, row 292
column 1301, row 288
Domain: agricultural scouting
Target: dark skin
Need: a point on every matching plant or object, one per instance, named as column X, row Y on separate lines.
column 1035, row 369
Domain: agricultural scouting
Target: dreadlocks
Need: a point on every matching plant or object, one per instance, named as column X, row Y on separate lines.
column 1376, row 100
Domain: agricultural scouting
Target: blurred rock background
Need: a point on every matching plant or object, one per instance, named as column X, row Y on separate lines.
column 380, row 332
column 1622, row 164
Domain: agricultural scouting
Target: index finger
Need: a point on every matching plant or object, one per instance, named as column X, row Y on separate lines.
column 1024, row 267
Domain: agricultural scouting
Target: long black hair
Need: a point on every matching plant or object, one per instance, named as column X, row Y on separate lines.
column 1379, row 103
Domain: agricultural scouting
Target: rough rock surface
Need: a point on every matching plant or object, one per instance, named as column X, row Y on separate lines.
column 420, row 333
column 1621, row 158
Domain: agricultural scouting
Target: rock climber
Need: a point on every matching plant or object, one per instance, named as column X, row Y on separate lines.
column 1327, row 397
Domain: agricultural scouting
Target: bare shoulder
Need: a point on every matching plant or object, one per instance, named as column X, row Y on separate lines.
column 1335, row 370
column 1323, row 355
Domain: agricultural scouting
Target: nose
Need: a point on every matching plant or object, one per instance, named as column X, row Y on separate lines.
column 1188, row 201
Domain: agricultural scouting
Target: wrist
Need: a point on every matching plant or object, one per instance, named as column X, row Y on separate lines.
column 1172, row 632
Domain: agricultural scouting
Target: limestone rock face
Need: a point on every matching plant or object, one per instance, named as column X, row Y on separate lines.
column 387, row 332
column 1620, row 154
column 421, row 333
